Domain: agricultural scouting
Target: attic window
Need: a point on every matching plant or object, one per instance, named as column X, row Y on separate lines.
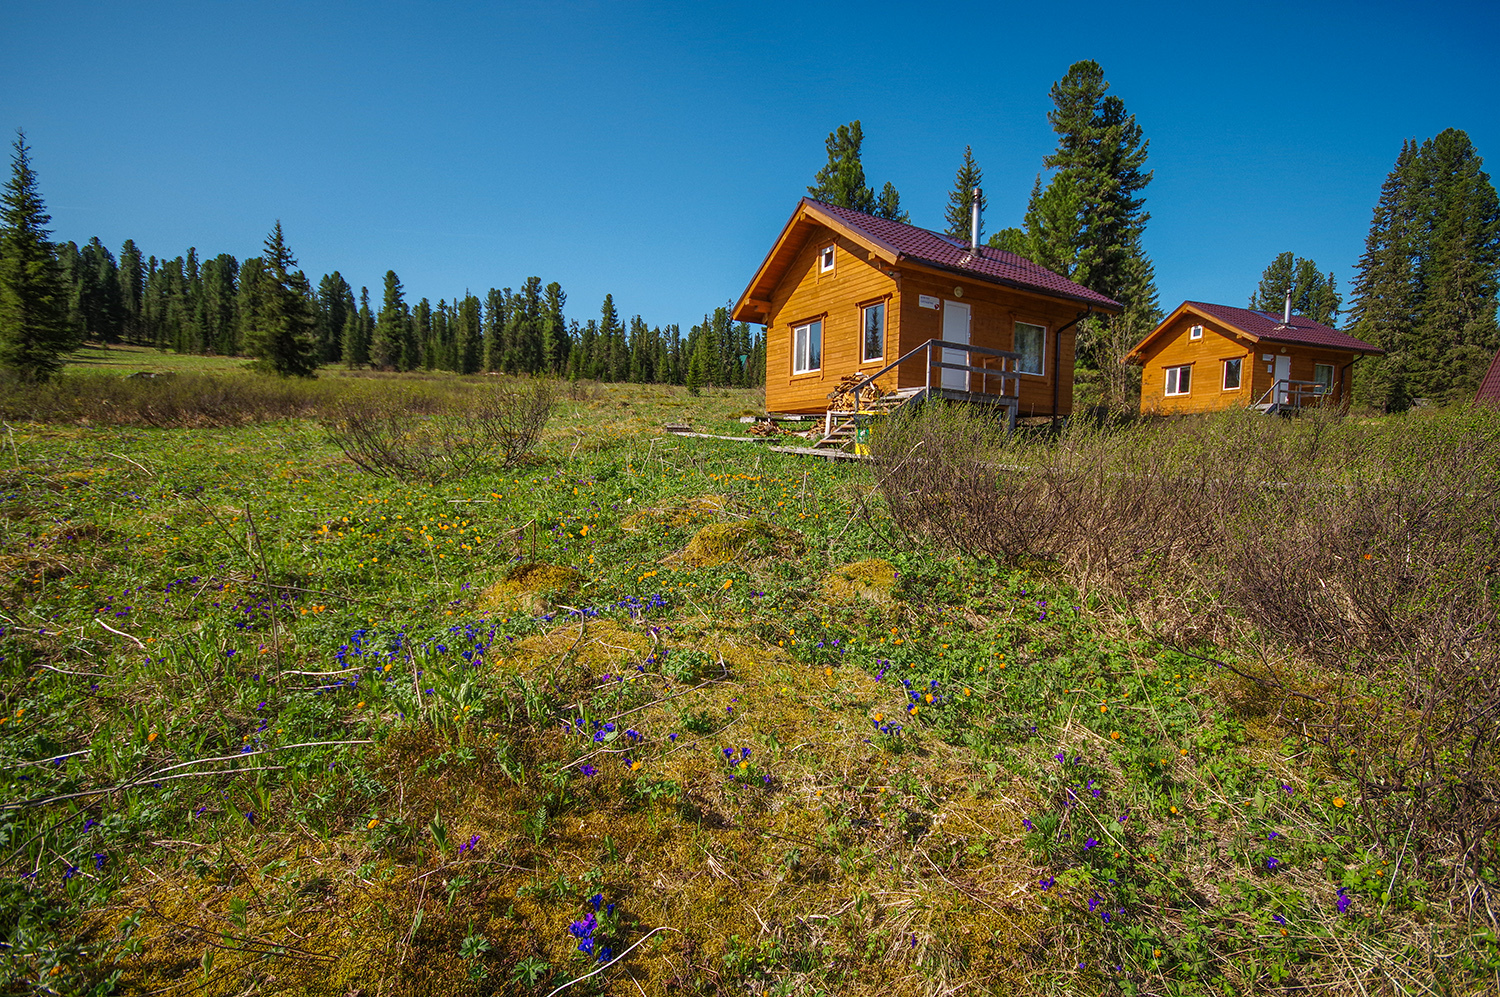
column 825, row 260
column 1196, row 332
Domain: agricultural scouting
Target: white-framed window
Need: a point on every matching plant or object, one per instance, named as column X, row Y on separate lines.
column 1196, row 332
column 1323, row 378
column 1031, row 344
column 1179, row 379
column 825, row 260
column 874, row 326
column 1232, row 369
column 807, row 347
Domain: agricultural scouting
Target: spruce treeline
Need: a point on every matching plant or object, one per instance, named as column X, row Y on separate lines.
column 1425, row 290
column 218, row 305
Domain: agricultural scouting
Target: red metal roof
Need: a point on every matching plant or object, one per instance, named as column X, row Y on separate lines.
column 1300, row 330
column 992, row 265
column 1489, row 388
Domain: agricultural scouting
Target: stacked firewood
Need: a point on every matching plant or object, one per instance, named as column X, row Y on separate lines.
column 766, row 428
column 845, row 397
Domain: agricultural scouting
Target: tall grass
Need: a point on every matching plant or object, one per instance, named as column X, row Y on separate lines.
column 1370, row 547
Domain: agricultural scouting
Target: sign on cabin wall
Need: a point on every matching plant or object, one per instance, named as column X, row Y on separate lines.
column 928, row 301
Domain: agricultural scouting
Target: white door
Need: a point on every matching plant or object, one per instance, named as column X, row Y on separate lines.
column 955, row 330
column 1283, row 375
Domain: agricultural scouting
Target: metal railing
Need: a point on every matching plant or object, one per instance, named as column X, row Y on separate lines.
column 1288, row 393
column 1006, row 373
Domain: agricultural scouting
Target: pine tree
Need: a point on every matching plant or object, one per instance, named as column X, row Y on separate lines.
column 34, row 333
column 220, row 324
column 1087, row 224
column 842, row 181
column 961, row 199
column 132, row 287
column 285, row 336
column 1314, row 295
column 392, row 327
column 469, row 340
column 335, row 305
column 421, row 336
column 496, row 306
column 888, row 205
column 613, row 360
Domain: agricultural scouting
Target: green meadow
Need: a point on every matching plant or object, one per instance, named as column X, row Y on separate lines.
column 646, row 713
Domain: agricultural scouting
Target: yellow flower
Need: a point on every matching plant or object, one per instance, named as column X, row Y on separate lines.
column 635, row 766
column 151, row 737
column 1338, row 801
column 1114, row 735
column 373, row 822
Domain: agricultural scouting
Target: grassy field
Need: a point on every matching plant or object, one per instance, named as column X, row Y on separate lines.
column 684, row 714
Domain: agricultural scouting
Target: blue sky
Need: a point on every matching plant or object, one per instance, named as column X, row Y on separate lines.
column 654, row 150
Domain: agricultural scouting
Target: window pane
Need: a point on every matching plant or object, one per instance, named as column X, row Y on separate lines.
column 1323, row 375
column 1030, row 344
column 1171, row 381
column 799, row 349
column 815, row 346
column 874, row 332
column 1184, row 380
column 1232, row 374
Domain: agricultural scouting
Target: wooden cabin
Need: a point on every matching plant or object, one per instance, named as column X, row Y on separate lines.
column 1489, row 387
column 845, row 295
column 1205, row 357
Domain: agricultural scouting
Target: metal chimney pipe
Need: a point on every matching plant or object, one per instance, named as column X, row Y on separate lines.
column 974, row 222
column 1286, row 317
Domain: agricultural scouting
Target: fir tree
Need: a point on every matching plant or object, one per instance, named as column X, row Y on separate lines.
column 1314, row 295
column 285, row 336
column 961, row 199
column 34, row 332
column 555, row 344
column 1425, row 289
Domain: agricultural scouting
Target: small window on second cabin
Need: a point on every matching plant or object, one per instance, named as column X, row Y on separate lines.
column 1031, row 344
column 1323, row 378
column 1179, row 380
column 1196, row 332
column 874, row 324
column 825, row 260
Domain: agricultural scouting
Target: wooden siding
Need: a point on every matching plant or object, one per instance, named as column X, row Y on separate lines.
column 806, row 293
column 1174, row 348
column 993, row 314
column 858, row 279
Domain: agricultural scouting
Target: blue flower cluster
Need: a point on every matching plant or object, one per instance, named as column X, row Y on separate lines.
column 587, row 931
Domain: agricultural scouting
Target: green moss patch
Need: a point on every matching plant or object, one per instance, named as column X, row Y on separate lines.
column 871, row 581
column 750, row 540
column 532, row 588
